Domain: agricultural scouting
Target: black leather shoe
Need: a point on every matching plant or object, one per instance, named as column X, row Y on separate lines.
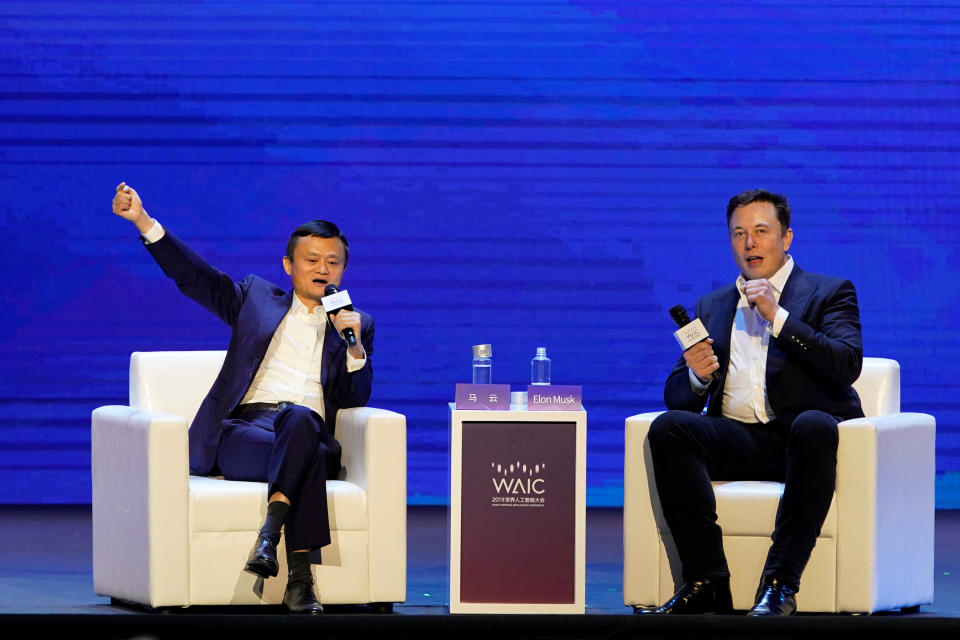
column 774, row 598
column 263, row 558
column 299, row 597
column 710, row 595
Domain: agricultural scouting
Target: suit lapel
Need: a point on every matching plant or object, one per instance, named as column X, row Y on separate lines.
column 332, row 344
column 796, row 292
column 720, row 323
column 718, row 319
column 268, row 319
column 794, row 298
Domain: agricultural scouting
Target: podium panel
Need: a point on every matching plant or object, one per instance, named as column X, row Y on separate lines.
column 517, row 513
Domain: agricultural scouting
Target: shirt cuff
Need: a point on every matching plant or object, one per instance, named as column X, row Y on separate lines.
column 696, row 385
column 155, row 233
column 778, row 321
column 354, row 364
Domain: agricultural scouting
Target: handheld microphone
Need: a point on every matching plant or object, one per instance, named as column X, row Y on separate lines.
column 690, row 332
column 334, row 301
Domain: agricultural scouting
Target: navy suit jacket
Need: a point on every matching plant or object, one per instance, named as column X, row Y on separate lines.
column 253, row 308
column 810, row 365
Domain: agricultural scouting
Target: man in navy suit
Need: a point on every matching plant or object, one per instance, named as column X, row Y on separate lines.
column 271, row 413
column 775, row 377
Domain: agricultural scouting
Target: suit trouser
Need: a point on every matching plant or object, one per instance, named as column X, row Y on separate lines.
column 294, row 452
column 689, row 450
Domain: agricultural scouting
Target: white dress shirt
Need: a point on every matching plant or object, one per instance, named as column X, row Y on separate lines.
column 745, row 387
column 290, row 370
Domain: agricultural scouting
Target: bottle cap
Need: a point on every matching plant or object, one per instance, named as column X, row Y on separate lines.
column 541, row 351
column 482, row 351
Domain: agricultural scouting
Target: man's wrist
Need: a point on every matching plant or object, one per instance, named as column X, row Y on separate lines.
column 697, row 384
column 779, row 319
column 355, row 363
column 357, row 352
column 143, row 222
column 153, row 232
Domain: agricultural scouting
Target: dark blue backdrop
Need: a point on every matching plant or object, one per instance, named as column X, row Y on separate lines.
column 524, row 173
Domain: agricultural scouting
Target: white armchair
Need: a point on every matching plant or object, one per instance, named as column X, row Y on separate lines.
column 162, row 537
column 875, row 551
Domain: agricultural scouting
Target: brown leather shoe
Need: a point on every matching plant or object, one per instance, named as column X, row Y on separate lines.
column 709, row 595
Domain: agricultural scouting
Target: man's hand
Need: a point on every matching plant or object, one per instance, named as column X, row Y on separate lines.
column 349, row 320
column 127, row 205
column 761, row 297
column 701, row 359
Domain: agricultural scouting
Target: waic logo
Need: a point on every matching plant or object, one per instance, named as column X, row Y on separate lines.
column 518, row 484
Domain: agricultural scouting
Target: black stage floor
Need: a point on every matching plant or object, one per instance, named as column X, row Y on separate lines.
column 46, row 588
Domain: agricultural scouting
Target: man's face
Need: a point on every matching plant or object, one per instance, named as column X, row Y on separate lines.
column 758, row 241
column 316, row 263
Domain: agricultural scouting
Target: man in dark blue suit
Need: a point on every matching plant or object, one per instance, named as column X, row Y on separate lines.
column 775, row 377
column 271, row 413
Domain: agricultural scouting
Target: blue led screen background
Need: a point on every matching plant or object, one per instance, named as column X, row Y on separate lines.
column 524, row 173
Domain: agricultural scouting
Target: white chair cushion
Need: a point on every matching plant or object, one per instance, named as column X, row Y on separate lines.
column 749, row 508
column 220, row 505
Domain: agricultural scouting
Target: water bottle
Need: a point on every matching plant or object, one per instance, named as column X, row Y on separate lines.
column 482, row 364
column 540, row 367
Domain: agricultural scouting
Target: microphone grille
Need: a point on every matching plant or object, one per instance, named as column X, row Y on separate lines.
column 679, row 315
column 330, row 289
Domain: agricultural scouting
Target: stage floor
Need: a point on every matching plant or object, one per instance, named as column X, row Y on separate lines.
column 46, row 579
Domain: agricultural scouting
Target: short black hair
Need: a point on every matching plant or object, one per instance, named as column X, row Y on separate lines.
column 778, row 201
column 320, row 229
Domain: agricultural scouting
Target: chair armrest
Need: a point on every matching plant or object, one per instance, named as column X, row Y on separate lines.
column 374, row 444
column 641, row 540
column 885, row 500
column 140, row 471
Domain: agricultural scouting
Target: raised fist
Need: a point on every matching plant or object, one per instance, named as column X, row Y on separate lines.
column 127, row 204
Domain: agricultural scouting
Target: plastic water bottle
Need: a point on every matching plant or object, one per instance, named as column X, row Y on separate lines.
column 540, row 367
column 482, row 364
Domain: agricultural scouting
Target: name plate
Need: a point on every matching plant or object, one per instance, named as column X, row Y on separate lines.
column 554, row 397
column 487, row 397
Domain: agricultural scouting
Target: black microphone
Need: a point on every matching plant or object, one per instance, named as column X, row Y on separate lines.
column 335, row 301
column 679, row 315
column 690, row 332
